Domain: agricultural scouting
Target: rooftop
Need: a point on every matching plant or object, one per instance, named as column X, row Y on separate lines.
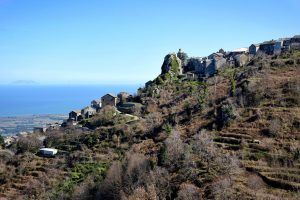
column 243, row 49
column 48, row 149
column 110, row 94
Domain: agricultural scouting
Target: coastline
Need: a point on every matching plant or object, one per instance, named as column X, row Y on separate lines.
column 13, row 125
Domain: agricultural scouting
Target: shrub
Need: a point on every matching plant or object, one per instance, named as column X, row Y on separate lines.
column 77, row 174
column 28, row 144
column 228, row 113
column 1, row 141
column 104, row 117
column 188, row 192
column 297, row 154
column 159, row 80
column 289, row 62
column 274, row 128
column 230, row 74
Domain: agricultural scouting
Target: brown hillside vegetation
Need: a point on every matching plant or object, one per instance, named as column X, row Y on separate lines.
column 235, row 135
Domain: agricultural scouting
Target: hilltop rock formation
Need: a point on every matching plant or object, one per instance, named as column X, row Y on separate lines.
column 172, row 65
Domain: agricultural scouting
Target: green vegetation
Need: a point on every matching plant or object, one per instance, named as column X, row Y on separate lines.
column 77, row 174
column 1, row 141
column 175, row 65
column 230, row 73
column 233, row 136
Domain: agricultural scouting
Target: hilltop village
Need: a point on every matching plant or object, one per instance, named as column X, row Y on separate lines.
column 193, row 68
column 225, row 126
column 199, row 67
column 176, row 65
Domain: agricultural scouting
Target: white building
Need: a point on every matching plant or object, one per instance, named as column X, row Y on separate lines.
column 48, row 151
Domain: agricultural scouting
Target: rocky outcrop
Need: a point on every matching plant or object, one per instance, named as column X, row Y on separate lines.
column 172, row 64
column 241, row 60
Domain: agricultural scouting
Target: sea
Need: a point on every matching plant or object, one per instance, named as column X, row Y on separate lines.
column 24, row 107
column 59, row 99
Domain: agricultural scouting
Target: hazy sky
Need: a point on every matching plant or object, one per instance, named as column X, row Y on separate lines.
column 125, row 41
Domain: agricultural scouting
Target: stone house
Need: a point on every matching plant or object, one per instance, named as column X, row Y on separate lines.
column 231, row 62
column 88, row 112
column 278, row 46
column 39, row 129
column 295, row 43
column 96, row 104
column 286, row 44
column 210, row 67
column 237, row 51
column 214, row 62
column 75, row 115
column 109, row 100
column 295, row 39
column 253, row 49
column 195, row 64
column 267, row 47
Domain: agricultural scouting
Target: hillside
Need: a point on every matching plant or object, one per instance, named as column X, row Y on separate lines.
column 232, row 135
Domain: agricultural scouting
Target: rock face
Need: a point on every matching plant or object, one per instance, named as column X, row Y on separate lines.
column 180, row 63
column 183, row 57
column 172, row 64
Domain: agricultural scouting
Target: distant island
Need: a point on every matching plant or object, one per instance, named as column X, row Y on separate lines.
column 25, row 82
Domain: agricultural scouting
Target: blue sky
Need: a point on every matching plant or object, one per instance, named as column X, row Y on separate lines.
column 124, row 41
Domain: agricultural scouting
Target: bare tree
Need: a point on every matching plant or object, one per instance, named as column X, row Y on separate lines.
column 203, row 146
column 229, row 166
column 188, row 192
column 112, row 185
column 222, row 190
column 136, row 173
column 255, row 183
column 161, row 178
column 174, row 150
column 141, row 194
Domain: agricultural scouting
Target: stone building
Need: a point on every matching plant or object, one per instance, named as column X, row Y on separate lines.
column 96, row 104
column 88, row 112
column 75, row 115
column 253, row 49
column 210, row 67
column 214, row 62
column 295, row 39
column 295, row 43
column 237, row 51
column 196, row 65
column 267, row 47
column 37, row 130
column 109, row 100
